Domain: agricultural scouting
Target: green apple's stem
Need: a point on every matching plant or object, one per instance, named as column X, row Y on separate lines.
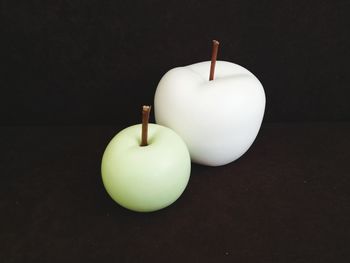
column 214, row 55
column 145, row 117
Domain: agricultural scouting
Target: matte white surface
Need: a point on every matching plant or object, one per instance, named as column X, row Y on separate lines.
column 219, row 119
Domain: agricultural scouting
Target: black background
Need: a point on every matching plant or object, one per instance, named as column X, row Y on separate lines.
column 74, row 73
column 93, row 62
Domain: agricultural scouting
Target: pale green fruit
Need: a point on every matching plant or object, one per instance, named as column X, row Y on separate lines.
column 146, row 178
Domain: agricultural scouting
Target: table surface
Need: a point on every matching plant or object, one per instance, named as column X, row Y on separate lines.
column 286, row 200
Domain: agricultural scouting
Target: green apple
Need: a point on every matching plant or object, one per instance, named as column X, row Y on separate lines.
column 146, row 178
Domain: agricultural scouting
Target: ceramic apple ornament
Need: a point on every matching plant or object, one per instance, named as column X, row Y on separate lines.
column 218, row 118
column 148, row 172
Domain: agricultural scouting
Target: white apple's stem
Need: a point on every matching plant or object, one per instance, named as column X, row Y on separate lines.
column 214, row 55
column 145, row 117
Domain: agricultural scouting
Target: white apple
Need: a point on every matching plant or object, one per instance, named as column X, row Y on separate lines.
column 218, row 119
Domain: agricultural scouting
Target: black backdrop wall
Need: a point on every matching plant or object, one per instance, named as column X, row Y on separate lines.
column 97, row 62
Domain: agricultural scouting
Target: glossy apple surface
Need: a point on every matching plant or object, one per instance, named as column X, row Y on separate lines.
column 219, row 119
column 146, row 178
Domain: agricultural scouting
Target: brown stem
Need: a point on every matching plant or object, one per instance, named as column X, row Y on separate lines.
column 214, row 55
column 145, row 117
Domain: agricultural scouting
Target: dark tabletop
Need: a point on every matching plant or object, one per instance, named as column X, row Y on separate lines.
column 286, row 200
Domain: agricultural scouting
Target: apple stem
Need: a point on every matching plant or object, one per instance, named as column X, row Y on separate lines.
column 145, row 117
column 214, row 55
